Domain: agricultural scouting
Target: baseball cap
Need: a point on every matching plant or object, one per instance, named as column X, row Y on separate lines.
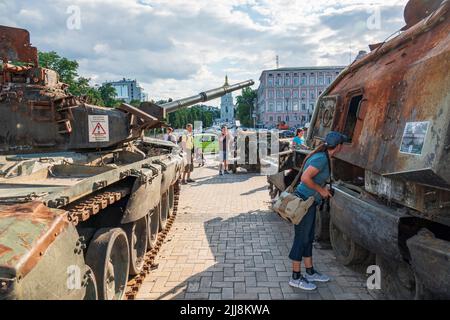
column 334, row 139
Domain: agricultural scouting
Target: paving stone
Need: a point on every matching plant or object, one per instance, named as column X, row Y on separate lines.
column 226, row 244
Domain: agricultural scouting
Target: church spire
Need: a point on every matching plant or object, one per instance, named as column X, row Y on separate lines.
column 226, row 81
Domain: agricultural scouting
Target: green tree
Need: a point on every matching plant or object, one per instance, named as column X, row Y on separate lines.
column 108, row 95
column 245, row 106
column 67, row 69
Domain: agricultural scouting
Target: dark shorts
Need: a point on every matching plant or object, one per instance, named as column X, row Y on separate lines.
column 304, row 234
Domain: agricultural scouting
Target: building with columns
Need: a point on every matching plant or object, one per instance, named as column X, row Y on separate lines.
column 227, row 107
column 290, row 94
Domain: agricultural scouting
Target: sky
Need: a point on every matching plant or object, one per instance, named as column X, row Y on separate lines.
column 177, row 48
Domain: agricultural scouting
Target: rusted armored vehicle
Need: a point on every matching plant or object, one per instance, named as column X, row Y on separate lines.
column 259, row 151
column 83, row 192
column 392, row 191
column 391, row 203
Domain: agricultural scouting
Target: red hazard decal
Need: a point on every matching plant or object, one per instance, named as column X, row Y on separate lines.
column 98, row 130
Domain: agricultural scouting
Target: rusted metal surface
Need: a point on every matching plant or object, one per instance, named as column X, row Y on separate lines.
column 15, row 46
column 430, row 259
column 26, row 231
column 417, row 10
column 404, row 80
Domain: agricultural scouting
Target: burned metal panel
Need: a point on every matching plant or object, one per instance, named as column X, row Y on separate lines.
column 404, row 81
column 371, row 225
column 26, row 231
column 15, row 46
column 430, row 259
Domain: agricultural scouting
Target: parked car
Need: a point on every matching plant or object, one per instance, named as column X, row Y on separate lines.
column 287, row 134
column 209, row 142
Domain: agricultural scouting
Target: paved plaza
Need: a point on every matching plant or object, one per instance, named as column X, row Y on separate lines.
column 227, row 244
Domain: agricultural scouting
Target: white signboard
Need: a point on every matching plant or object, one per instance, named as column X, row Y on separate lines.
column 98, row 129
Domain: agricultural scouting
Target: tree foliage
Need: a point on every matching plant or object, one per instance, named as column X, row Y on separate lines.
column 244, row 106
column 78, row 86
column 180, row 118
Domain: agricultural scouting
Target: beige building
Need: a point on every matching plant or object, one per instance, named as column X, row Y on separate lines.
column 290, row 94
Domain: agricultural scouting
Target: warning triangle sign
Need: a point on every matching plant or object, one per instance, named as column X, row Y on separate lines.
column 98, row 129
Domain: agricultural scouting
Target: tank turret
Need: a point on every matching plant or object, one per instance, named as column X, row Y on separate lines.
column 37, row 114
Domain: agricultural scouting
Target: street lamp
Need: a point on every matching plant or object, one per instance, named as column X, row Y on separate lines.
column 255, row 107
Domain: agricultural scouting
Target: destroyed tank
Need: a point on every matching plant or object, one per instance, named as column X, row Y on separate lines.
column 83, row 192
column 392, row 179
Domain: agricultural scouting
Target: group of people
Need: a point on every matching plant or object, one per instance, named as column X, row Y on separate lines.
column 187, row 143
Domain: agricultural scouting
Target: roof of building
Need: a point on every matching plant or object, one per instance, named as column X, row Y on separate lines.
column 305, row 68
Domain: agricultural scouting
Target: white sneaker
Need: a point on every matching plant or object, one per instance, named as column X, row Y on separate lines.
column 302, row 283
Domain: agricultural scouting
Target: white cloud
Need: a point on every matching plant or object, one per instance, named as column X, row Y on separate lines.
column 180, row 47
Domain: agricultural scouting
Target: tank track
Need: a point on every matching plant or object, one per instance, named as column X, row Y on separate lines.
column 135, row 283
column 89, row 206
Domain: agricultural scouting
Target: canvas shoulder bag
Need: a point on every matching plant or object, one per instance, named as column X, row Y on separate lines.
column 289, row 206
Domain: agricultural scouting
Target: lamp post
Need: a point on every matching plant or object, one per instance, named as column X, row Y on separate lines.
column 253, row 114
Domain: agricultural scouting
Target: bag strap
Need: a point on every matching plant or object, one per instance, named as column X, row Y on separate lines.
column 329, row 168
column 300, row 172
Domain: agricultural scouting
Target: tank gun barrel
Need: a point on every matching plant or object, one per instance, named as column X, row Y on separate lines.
column 204, row 96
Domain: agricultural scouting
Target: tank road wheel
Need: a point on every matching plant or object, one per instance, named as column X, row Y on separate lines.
column 397, row 279
column 90, row 285
column 108, row 256
column 171, row 199
column 164, row 211
column 153, row 226
column 137, row 234
column 345, row 249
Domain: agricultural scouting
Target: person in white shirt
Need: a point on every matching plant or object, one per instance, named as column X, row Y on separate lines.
column 169, row 136
column 225, row 145
column 187, row 143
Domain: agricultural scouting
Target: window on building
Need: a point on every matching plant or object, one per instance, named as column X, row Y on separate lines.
column 279, row 106
column 295, row 94
column 328, row 80
column 295, row 106
column 312, row 95
column 311, row 107
column 312, row 80
column 270, row 94
column 303, row 94
column 320, row 81
column 296, row 81
column 271, row 106
column 287, row 118
column 303, row 81
column 287, row 81
column 303, row 119
column 287, row 93
column 270, row 82
column 304, row 106
column 352, row 113
column 279, row 82
column 270, row 118
column 279, row 94
column 286, row 105
column 279, row 118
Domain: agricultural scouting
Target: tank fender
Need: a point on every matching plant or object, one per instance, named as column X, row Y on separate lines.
column 145, row 194
column 430, row 260
column 370, row 224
